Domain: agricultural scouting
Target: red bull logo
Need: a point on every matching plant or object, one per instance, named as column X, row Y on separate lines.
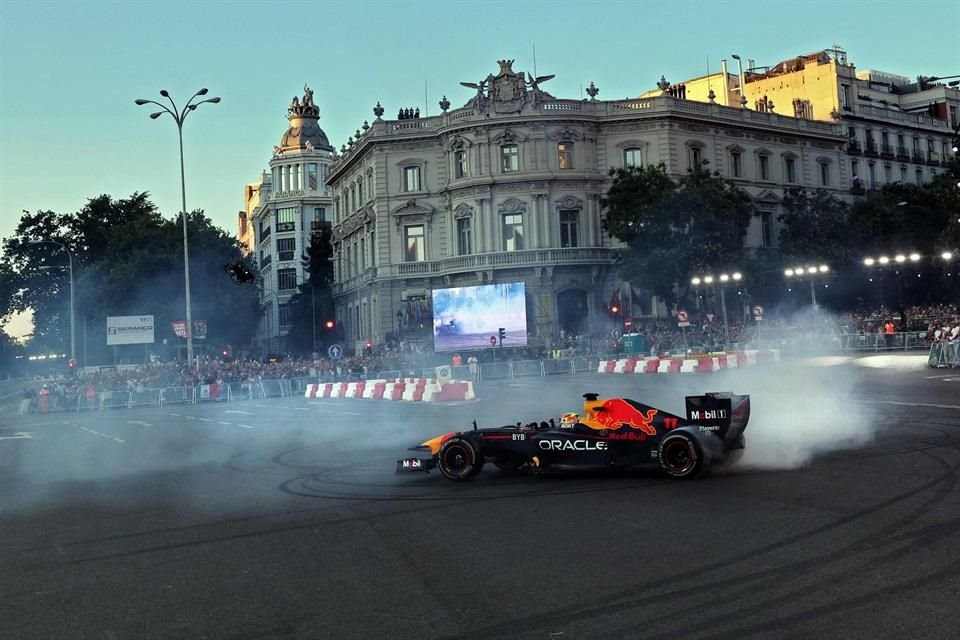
column 616, row 413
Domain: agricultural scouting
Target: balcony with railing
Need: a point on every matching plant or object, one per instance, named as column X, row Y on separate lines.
column 903, row 154
column 286, row 226
column 265, row 261
column 886, row 151
column 265, row 234
column 483, row 261
column 933, row 158
column 871, row 149
column 854, row 148
column 316, row 225
column 918, row 156
column 589, row 110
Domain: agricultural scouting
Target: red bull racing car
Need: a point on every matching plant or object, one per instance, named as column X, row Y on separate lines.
column 616, row 432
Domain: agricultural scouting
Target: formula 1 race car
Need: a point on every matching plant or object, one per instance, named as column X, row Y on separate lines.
column 616, row 433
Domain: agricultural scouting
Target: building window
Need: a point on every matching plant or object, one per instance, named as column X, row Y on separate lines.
column 411, row 178
column 736, row 164
column 565, row 155
column 845, row 101
column 287, row 219
column 414, row 250
column 873, row 175
column 790, row 169
column 824, row 174
column 764, row 167
column 464, row 247
column 460, row 164
column 513, row 232
column 695, row 155
column 919, row 176
column 286, row 279
column 363, row 254
column 312, row 182
column 373, row 249
column 903, row 174
column 360, row 199
column 766, row 236
column 319, row 218
column 632, row 157
column 568, row 228
column 286, row 247
column 916, row 146
column 953, row 117
column 852, row 133
column 284, row 312
column 887, row 174
column 855, row 172
column 509, row 158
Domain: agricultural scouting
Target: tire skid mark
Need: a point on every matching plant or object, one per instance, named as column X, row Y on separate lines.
column 601, row 606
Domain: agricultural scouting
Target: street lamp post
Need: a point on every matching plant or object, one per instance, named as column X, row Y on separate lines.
column 810, row 272
column 179, row 116
column 73, row 320
column 720, row 282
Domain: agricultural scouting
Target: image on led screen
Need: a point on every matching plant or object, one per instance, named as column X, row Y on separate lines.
column 467, row 317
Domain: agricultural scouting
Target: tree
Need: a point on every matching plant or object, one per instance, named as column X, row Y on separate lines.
column 674, row 228
column 128, row 260
column 312, row 306
column 816, row 227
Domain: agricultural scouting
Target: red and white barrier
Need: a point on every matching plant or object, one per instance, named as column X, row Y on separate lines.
column 701, row 364
column 402, row 389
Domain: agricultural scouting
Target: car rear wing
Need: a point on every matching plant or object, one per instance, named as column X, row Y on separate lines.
column 724, row 413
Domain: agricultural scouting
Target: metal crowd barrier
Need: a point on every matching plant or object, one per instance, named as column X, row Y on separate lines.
column 940, row 355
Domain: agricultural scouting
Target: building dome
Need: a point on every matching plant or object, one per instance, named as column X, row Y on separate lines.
column 304, row 132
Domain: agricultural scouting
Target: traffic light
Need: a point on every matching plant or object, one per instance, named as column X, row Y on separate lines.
column 502, row 333
column 614, row 309
column 330, row 324
column 369, row 346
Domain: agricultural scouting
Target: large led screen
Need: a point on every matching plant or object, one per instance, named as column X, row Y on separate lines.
column 468, row 317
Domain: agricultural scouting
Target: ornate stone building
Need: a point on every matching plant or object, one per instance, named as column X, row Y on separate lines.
column 898, row 130
column 283, row 209
column 508, row 188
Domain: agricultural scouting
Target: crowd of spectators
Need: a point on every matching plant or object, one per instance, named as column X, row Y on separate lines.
column 939, row 323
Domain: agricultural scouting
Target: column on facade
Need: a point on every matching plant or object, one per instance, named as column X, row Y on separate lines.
column 533, row 233
column 542, row 207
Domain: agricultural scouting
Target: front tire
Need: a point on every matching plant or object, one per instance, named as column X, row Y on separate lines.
column 459, row 459
column 681, row 456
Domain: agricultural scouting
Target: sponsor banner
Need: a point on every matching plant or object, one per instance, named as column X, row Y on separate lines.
column 199, row 329
column 129, row 330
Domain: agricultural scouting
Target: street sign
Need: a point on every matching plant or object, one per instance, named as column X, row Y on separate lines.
column 335, row 351
column 493, row 341
column 616, row 334
column 682, row 316
column 72, row 363
column 758, row 312
column 683, row 324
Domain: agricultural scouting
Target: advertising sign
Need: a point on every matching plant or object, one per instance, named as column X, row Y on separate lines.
column 465, row 317
column 129, row 330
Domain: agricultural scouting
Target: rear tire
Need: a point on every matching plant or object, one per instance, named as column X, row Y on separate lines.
column 459, row 459
column 681, row 455
column 733, row 455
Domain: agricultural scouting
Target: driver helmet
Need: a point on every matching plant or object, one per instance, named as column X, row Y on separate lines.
column 569, row 419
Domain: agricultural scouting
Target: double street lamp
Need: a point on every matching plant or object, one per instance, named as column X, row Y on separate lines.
column 179, row 115
column 721, row 280
column 73, row 320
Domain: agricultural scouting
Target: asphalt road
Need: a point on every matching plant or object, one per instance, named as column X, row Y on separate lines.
column 284, row 519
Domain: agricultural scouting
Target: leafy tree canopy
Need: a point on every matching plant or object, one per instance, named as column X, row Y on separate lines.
column 312, row 305
column 675, row 228
column 127, row 260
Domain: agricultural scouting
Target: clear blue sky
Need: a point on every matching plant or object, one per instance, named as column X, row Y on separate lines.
column 69, row 72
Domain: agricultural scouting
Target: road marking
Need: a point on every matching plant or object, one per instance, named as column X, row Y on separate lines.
column 222, row 422
column 337, row 411
column 19, row 435
column 301, row 409
column 140, row 422
column 96, row 433
column 243, row 413
column 204, row 419
column 175, row 414
column 245, row 426
column 914, row 404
